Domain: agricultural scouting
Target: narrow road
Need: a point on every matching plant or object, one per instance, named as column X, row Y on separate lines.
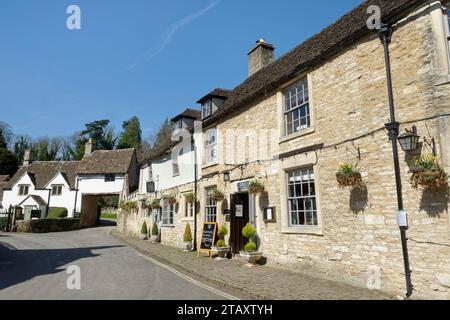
column 34, row 266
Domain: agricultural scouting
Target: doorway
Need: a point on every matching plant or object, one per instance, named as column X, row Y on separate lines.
column 239, row 218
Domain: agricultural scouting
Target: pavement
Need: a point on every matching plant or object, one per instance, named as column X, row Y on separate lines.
column 35, row 266
column 259, row 282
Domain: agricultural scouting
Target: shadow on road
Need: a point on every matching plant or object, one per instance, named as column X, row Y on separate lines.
column 18, row 266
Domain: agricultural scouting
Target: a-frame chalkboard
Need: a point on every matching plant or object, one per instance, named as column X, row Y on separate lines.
column 207, row 238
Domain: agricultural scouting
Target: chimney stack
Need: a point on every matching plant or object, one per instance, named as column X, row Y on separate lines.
column 89, row 147
column 27, row 157
column 260, row 56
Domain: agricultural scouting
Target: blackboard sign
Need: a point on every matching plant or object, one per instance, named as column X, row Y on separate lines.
column 207, row 237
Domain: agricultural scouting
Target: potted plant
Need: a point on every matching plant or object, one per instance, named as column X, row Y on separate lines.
column 255, row 187
column 217, row 195
column 172, row 200
column 155, row 204
column 250, row 252
column 191, row 198
column 155, row 232
column 428, row 174
column 348, row 176
column 221, row 249
column 129, row 206
column 144, row 232
column 187, row 238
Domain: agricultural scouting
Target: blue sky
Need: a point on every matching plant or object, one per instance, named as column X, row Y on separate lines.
column 146, row 58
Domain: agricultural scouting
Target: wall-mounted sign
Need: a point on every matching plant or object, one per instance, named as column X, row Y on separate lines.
column 239, row 211
column 243, row 186
column 269, row 214
column 402, row 218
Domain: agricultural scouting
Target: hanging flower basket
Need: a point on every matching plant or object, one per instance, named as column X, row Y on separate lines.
column 191, row 198
column 129, row 206
column 217, row 195
column 172, row 200
column 155, row 204
column 348, row 176
column 255, row 187
column 428, row 174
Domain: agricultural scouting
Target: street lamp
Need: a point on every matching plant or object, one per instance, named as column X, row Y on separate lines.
column 409, row 140
column 393, row 127
column 226, row 176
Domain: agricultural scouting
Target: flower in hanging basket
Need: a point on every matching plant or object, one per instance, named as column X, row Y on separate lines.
column 255, row 187
column 155, row 204
column 191, row 198
column 129, row 206
column 348, row 176
column 217, row 195
column 428, row 174
column 172, row 200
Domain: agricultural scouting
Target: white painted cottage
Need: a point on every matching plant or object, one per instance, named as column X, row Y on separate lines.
column 74, row 185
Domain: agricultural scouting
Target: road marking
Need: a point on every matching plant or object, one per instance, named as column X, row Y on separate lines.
column 189, row 279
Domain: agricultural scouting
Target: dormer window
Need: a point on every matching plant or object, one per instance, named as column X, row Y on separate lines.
column 207, row 109
column 178, row 124
column 24, row 190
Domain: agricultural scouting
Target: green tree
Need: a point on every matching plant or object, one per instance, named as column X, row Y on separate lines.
column 131, row 136
column 46, row 149
column 8, row 161
column 3, row 144
column 21, row 144
column 163, row 138
column 99, row 131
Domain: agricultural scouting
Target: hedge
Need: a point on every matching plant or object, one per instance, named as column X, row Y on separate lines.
column 57, row 213
column 47, row 225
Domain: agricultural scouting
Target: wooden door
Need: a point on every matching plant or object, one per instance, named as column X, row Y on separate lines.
column 239, row 218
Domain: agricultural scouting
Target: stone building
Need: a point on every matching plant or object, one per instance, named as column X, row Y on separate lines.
column 295, row 119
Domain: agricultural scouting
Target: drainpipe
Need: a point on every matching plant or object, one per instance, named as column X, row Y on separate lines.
column 393, row 132
column 48, row 202
column 76, row 197
column 194, row 247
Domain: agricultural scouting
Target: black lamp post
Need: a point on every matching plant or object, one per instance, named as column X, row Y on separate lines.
column 393, row 133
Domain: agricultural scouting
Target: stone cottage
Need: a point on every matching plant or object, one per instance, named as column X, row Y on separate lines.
column 295, row 119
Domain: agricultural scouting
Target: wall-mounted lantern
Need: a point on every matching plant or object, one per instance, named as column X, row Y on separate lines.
column 409, row 140
column 226, row 176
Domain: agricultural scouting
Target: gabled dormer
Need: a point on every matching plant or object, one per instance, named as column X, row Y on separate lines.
column 213, row 101
column 184, row 120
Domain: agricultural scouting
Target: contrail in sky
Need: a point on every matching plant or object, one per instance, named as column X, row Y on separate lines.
column 168, row 35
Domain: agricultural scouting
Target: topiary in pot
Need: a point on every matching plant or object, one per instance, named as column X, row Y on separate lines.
column 250, row 249
column 221, row 248
column 255, row 187
column 144, row 232
column 187, row 238
column 348, row 176
column 155, row 232
column 428, row 174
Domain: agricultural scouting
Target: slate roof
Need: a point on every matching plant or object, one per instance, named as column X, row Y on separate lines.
column 216, row 93
column 99, row 162
column 107, row 161
column 310, row 53
column 188, row 113
column 36, row 199
column 4, row 178
column 41, row 172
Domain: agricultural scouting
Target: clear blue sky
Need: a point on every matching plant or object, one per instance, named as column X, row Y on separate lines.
column 146, row 58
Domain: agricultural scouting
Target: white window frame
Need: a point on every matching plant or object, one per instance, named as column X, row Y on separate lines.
column 210, row 146
column 446, row 10
column 292, row 106
column 207, row 109
column 168, row 213
column 58, row 188
column 188, row 209
column 303, row 198
column 22, row 188
column 210, row 206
